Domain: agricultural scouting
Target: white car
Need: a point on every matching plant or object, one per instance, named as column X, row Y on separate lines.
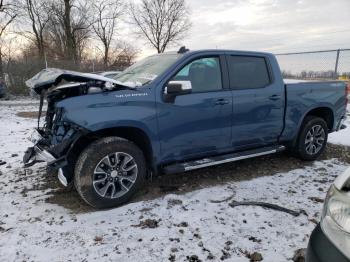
column 330, row 241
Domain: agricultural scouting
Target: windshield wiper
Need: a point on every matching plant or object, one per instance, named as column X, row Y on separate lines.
column 147, row 82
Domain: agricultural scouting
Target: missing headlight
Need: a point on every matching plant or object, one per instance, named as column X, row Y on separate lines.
column 62, row 131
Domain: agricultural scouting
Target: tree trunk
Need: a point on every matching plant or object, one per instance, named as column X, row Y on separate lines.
column 70, row 44
column 105, row 57
column 1, row 66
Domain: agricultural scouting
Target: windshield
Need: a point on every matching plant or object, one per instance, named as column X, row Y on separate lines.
column 146, row 70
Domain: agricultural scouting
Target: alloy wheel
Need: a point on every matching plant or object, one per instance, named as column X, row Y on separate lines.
column 315, row 139
column 114, row 175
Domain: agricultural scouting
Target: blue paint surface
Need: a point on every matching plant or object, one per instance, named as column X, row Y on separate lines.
column 194, row 125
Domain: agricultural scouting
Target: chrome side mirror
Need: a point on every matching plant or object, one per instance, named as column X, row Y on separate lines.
column 178, row 88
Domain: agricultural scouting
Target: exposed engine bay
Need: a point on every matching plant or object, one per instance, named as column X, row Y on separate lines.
column 53, row 139
column 62, row 92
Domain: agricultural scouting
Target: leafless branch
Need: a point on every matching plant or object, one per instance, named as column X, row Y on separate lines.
column 268, row 205
column 8, row 13
column 69, row 28
column 106, row 16
column 161, row 22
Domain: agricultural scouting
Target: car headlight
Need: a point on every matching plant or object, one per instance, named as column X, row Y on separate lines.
column 335, row 222
column 337, row 207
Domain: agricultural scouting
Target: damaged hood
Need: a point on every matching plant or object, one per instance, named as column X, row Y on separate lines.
column 53, row 76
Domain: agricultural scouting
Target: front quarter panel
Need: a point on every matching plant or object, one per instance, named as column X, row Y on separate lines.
column 123, row 108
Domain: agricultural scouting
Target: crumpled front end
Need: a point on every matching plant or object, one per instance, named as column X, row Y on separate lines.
column 52, row 143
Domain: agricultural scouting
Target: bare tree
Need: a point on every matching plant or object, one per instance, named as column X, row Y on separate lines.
column 123, row 56
column 8, row 13
column 69, row 28
column 104, row 25
column 39, row 14
column 161, row 22
column 71, row 46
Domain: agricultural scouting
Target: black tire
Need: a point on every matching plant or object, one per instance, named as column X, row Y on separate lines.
column 90, row 159
column 301, row 148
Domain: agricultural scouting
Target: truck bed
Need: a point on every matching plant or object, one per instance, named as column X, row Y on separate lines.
column 304, row 95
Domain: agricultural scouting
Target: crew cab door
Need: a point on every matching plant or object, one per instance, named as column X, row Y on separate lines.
column 258, row 102
column 199, row 122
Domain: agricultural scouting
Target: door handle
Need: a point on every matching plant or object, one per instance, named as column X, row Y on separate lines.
column 221, row 102
column 275, row 97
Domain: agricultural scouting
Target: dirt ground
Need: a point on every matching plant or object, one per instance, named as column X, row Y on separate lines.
column 189, row 181
column 30, row 114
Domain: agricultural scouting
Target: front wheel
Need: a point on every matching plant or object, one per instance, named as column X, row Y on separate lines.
column 109, row 172
column 312, row 138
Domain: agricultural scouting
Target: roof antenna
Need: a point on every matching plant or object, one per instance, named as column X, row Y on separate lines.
column 183, row 50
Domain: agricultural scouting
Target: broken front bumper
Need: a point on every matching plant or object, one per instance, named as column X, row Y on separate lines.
column 38, row 153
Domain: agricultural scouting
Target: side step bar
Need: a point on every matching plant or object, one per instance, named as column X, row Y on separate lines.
column 221, row 159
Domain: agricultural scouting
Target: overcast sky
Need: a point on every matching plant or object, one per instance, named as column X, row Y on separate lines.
column 276, row 26
column 269, row 25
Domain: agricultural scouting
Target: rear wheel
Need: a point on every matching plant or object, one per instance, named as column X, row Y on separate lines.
column 109, row 172
column 312, row 138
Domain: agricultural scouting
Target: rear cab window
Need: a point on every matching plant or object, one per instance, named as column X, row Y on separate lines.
column 248, row 72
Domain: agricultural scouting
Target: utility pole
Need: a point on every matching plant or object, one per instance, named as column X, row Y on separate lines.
column 336, row 65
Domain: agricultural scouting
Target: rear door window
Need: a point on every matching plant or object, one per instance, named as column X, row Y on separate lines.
column 247, row 72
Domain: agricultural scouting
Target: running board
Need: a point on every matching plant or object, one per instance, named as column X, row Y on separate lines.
column 221, row 159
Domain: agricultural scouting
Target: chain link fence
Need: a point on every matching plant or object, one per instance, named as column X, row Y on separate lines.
column 317, row 65
column 327, row 64
column 17, row 71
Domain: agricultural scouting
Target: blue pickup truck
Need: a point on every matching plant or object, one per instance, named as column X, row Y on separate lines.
column 175, row 112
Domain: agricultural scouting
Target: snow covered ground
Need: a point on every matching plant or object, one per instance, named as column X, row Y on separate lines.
column 194, row 226
column 343, row 136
